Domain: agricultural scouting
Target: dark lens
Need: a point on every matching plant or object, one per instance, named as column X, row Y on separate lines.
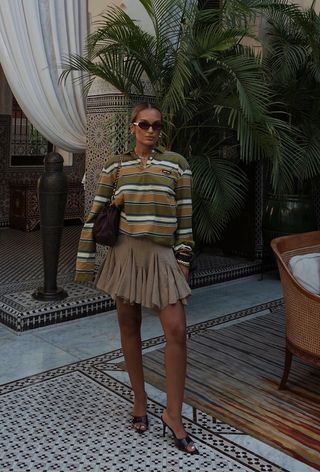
column 157, row 126
column 144, row 125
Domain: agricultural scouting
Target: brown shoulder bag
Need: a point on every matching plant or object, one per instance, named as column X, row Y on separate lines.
column 106, row 226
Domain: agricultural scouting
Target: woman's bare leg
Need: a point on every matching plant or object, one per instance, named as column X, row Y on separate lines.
column 129, row 318
column 173, row 321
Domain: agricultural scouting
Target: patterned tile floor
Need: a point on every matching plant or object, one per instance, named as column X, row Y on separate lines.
column 65, row 404
column 77, row 418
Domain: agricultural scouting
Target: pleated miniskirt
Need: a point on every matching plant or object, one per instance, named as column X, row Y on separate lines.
column 141, row 271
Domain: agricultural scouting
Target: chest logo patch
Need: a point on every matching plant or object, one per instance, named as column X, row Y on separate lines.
column 165, row 171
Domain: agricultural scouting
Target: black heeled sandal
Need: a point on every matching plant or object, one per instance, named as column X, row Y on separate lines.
column 144, row 423
column 181, row 444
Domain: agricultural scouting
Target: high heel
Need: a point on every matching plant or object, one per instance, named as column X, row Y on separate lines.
column 181, row 444
column 144, row 423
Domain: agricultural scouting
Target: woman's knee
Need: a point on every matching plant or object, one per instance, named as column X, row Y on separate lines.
column 129, row 318
column 173, row 321
column 176, row 334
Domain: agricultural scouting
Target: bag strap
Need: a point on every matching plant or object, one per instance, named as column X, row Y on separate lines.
column 115, row 183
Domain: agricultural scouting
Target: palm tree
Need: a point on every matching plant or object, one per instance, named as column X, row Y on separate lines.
column 292, row 64
column 210, row 87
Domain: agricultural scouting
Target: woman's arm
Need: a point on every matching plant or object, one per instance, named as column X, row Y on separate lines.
column 85, row 262
column 184, row 241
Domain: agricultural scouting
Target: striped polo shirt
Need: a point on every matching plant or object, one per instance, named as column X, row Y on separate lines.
column 155, row 202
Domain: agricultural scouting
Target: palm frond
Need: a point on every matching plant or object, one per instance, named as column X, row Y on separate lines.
column 220, row 189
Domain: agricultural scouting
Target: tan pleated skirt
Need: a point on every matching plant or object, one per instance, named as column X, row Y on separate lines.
column 140, row 271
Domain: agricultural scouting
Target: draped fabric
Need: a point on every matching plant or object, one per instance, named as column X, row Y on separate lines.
column 35, row 36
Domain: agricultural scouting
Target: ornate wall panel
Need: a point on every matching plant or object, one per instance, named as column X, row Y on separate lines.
column 4, row 154
column 259, row 208
column 24, row 175
column 108, row 113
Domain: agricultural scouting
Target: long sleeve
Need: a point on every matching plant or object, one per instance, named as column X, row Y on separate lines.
column 183, row 236
column 85, row 262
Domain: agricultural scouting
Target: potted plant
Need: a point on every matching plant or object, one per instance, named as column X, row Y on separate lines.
column 210, row 86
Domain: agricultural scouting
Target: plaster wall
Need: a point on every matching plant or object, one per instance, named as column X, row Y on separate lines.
column 132, row 7
column 308, row 3
column 96, row 8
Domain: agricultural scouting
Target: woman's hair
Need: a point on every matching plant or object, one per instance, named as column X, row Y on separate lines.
column 142, row 106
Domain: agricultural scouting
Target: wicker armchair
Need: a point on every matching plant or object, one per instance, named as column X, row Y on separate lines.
column 302, row 308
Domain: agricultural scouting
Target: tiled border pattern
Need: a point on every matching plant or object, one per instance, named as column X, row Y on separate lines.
column 20, row 312
column 202, row 428
column 210, row 276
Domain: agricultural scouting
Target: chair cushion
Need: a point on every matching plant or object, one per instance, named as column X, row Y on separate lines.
column 306, row 270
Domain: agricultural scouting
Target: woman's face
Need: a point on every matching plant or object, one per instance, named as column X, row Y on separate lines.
column 147, row 137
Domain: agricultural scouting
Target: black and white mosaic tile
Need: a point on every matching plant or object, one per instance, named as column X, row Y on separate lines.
column 77, row 418
column 212, row 269
column 21, row 312
column 72, row 422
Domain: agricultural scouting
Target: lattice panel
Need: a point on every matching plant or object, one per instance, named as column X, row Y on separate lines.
column 316, row 201
column 107, row 134
column 259, row 207
column 25, row 175
column 4, row 156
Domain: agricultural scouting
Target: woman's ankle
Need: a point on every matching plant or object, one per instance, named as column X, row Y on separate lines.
column 140, row 405
column 140, row 397
column 172, row 415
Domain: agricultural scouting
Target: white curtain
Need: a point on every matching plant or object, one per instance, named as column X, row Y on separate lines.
column 35, row 35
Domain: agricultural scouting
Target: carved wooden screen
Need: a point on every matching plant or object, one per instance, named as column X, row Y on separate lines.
column 28, row 146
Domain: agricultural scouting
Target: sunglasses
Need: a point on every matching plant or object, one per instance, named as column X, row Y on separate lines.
column 145, row 125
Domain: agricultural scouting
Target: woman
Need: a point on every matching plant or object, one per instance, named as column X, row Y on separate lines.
column 149, row 265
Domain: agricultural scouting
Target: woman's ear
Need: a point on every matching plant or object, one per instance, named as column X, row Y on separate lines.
column 131, row 127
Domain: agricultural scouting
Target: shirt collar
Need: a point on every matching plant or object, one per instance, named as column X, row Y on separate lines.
column 159, row 149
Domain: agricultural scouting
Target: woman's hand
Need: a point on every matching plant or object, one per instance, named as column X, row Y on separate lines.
column 185, row 271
